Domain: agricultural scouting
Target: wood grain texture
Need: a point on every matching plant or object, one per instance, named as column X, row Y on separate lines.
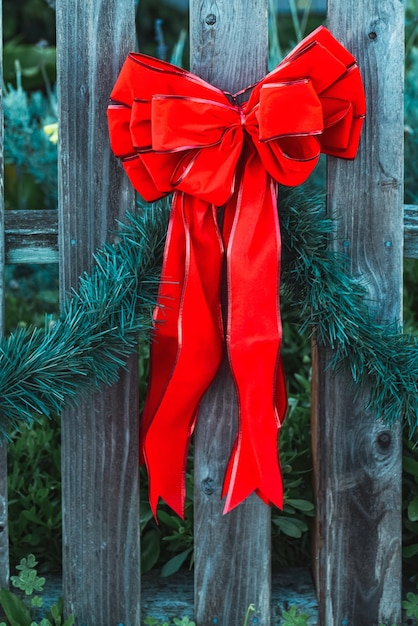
column 229, row 42
column 232, row 552
column 4, row 535
column 411, row 231
column 31, row 236
column 100, row 438
column 357, row 458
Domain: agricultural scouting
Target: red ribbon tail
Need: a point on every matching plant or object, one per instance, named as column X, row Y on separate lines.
column 254, row 462
column 254, row 338
column 247, row 472
column 187, row 347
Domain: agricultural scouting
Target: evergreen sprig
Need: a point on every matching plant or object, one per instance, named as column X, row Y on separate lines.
column 335, row 308
column 42, row 369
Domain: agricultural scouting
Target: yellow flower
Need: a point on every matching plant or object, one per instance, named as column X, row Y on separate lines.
column 52, row 131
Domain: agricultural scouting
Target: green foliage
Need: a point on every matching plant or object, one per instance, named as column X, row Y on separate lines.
column 410, row 446
column 410, row 296
column 29, row 38
column 293, row 617
column 34, row 487
column 158, row 26
column 411, row 99
column 18, row 610
column 290, row 527
column 287, row 29
column 411, row 605
column 250, row 611
column 31, row 293
column 186, row 621
column 28, row 579
column 30, row 155
column 30, row 21
column 169, row 544
column 183, row 621
column 37, row 62
column 411, row 127
column 411, row 25
column 410, row 510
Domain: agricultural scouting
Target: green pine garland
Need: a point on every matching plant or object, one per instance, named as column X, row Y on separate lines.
column 334, row 306
column 42, row 369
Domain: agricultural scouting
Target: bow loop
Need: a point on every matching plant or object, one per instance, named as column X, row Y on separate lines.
column 284, row 126
column 289, row 109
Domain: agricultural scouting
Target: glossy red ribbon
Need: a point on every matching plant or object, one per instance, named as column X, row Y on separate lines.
column 175, row 132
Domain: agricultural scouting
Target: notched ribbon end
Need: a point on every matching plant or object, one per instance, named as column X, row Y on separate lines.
column 174, row 503
column 233, row 500
column 242, row 479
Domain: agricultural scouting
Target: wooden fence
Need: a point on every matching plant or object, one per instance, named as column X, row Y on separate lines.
column 357, row 556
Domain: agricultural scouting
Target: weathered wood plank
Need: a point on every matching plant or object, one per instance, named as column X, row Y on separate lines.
column 357, row 458
column 100, row 438
column 232, row 552
column 31, row 236
column 4, row 535
column 34, row 235
column 411, row 231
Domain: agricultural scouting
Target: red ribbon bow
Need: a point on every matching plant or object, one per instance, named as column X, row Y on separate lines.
column 175, row 132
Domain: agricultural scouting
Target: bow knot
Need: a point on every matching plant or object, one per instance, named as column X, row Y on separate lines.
column 175, row 132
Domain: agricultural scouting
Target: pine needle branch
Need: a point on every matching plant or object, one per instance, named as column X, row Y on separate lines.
column 334, row 308
column 41, row 369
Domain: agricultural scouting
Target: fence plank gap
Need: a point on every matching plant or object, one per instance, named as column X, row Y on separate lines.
column 411, row 231
column 357, row 458
column 100, row 483
column 4, row 535
column 31, row 236
column 232, row 553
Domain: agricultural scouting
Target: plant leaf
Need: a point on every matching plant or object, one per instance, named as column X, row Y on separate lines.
column 174, row 564
column 301, row 505
column 410, row 466
column 150, row 549
column 413, row 510
column 16, row 612
column 410, row 551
